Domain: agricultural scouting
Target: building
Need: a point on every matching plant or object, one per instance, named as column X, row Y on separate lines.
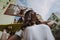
column 56, row 27
column 5, row 19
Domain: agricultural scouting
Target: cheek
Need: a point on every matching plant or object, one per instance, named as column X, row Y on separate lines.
column 33, row 18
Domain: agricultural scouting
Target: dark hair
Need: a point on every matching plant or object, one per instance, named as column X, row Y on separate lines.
column 30, row 19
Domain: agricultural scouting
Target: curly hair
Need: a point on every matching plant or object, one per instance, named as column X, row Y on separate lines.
column 30, row 19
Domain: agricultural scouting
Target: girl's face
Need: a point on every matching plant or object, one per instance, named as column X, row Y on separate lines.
column 34, row 16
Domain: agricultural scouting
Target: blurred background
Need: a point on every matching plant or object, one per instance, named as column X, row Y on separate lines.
column 48, row 9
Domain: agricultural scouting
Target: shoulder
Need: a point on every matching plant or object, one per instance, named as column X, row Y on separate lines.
column 38, row 26
column 31, row 27
column 45, row 26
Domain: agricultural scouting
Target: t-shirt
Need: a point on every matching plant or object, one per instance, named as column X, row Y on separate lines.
column 38, row 32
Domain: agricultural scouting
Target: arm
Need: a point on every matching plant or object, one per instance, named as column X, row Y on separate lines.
column 17, row 36
column 14, row 37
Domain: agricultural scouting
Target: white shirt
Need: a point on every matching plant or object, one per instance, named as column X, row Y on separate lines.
column 38, row 32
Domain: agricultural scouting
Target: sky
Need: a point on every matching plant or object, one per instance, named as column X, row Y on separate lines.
column 42, row 7
column 56, row 8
